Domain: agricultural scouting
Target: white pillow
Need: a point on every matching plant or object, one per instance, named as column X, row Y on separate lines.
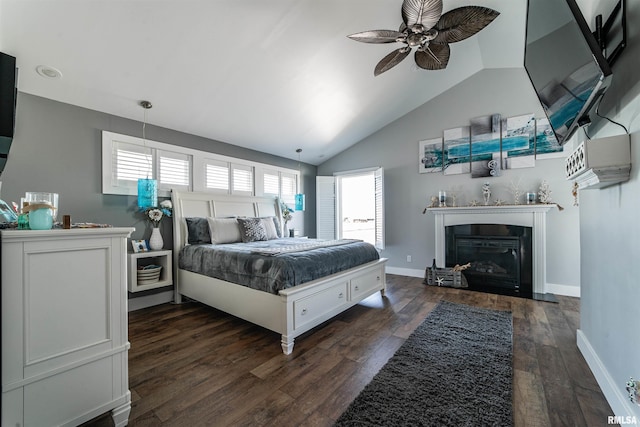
column 270, row 228
column 224, row 230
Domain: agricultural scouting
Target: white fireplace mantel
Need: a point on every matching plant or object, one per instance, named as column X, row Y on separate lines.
column 533, row 216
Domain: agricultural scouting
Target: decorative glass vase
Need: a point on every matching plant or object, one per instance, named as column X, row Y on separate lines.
column 155, row 241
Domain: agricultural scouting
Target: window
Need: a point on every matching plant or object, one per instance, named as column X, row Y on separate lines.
column 125, row 159
column 217, row 176
column 131, row 163
column 242, row 179
column 271, row 182
column 288, row 187
column 351, row 206
column 174, row 170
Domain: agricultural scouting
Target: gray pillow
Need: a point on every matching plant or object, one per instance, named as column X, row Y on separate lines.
column 252, row 229
column 197, row 231
column 276, row 223
column 270, row 228
column 224, row 230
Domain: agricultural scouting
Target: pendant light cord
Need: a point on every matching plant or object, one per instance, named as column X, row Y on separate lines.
column 146, row 105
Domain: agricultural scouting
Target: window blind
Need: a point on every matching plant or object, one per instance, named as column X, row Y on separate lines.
column 174, row 170
column 217, row 175
column 131, row 163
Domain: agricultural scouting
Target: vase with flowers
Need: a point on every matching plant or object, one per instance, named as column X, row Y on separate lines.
column 155, row 214
column 287, row 215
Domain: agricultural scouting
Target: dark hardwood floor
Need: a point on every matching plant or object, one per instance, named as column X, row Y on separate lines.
column 190, row 365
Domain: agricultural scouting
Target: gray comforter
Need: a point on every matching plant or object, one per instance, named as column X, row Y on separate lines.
column 237, row 262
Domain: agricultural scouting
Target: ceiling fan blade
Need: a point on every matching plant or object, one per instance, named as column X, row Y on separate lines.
column 463, row 22
column 422, row 12
column 376, row 36
column 391, row 60
column 433, row 57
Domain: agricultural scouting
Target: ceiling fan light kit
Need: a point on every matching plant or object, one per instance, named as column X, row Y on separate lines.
column 425, row 28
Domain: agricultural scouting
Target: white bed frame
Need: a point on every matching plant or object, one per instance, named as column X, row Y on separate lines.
column 295, row 310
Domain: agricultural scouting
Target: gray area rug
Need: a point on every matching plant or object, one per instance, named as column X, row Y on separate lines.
column 454, row 370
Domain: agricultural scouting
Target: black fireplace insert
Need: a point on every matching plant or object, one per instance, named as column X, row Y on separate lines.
column 499, row 257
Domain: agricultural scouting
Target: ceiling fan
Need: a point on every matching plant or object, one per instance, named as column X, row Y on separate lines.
column 427, row 29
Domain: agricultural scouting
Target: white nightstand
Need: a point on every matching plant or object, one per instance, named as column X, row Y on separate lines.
column 162, row 258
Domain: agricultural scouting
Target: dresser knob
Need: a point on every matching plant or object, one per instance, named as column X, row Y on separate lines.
column 357, row 288
column 304, row 311
column 340, row 295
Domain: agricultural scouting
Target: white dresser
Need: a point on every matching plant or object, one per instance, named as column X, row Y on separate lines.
column 64, row 326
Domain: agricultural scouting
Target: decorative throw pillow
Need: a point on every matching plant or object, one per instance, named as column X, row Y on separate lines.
column 276, row 223
column 270, row 228
column 252, row 229
column 224, row 230
column 197, row 231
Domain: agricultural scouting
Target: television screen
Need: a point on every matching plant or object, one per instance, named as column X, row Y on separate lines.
column 8, row 93
column 564, row 63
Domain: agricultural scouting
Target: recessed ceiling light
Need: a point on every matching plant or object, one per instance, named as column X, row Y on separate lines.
column 49, row 72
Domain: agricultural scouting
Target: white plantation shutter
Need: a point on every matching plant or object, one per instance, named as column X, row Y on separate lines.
column 217, row 176
column 379, row 198
column 242, row 179
column 288, row 188
column 130, row 163
column 174, row 170
column 326, row 207
column 271, row 183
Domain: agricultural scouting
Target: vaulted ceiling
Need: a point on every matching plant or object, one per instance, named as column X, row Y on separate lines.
column 272, row 76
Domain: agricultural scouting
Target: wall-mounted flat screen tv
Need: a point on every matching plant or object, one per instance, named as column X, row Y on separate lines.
column 564, row 63
column 8, row 95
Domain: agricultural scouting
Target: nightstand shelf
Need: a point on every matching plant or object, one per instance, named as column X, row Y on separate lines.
column 140, row 259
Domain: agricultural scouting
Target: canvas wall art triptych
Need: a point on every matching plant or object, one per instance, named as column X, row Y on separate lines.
column 488, row 145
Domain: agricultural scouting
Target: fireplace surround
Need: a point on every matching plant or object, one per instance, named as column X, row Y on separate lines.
column 533, row 216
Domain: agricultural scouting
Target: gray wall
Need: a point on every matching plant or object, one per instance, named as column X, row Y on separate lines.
column 395, row 147
column 610, row 232
column 57, row 148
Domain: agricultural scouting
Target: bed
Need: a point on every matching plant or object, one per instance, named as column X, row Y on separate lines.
column 289, row 311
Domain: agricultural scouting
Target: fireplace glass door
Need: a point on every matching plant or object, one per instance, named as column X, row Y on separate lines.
column 499, row 256
column 495, row 260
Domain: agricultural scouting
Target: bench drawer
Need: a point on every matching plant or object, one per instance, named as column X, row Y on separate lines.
column 309, row 308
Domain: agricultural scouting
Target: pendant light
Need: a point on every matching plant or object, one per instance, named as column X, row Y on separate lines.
column 147, row 187
column 299, row 197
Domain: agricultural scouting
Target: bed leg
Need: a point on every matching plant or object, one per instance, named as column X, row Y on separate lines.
column 177, row 297
column 287, row 345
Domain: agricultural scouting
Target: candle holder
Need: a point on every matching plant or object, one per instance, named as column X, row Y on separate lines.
column 442, row 198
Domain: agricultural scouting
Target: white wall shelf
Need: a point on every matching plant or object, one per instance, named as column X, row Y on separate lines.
column 163, row 258
column 600, row 163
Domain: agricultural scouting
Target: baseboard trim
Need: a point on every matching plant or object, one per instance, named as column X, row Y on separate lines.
column 405, row 271
column 566, row 290
column 620, row 405
column 149, row 300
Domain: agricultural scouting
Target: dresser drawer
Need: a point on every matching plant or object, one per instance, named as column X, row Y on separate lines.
column 309, row 308
column 364, row 284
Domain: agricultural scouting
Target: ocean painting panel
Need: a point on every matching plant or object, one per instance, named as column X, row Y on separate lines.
column 430, row 156
column 547, row 146
column 485, row 145
column 457, row 151
column 519, row 142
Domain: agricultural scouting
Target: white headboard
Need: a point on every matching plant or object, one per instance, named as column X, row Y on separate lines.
column 191, row 204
